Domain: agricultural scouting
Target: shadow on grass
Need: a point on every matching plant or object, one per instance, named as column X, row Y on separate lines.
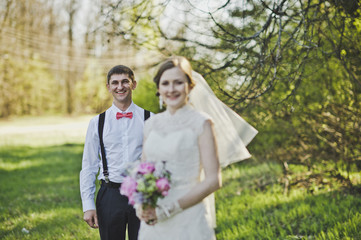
column 246, row 212
column 40, row 189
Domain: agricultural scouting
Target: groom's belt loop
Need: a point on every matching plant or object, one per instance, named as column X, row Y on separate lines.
column 110, row 184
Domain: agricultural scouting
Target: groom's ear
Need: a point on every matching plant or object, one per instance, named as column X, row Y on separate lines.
column 134, row 84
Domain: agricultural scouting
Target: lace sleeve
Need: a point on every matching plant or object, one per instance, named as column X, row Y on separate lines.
column 200, row 120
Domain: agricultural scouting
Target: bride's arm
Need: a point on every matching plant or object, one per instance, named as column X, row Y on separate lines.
column 210, row 163
column 211, row 182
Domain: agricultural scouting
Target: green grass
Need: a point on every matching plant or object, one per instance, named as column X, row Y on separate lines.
column 40, row 192
column 244, row 211
column 39, row 186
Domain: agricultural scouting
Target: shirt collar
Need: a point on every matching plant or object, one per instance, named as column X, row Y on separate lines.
column 131, row 108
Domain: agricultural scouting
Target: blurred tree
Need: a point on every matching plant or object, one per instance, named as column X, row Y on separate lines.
column 57, row 42
column 291, row 67
column 91, row 93
column 144, row 95
column 72, row 7
column 25, row 75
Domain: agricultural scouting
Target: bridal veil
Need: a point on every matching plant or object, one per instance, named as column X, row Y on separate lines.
column 232, row 132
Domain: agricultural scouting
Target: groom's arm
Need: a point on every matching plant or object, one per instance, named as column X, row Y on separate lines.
column 90, row 167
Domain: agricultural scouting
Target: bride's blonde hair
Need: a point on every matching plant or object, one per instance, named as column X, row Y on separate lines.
column 175, row 61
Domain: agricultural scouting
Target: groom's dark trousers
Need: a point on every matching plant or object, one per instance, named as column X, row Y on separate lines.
column 115, row 214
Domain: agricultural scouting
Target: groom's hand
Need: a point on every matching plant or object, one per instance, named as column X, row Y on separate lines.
column 91, row 218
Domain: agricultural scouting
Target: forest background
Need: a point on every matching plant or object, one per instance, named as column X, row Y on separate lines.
column 290, row 68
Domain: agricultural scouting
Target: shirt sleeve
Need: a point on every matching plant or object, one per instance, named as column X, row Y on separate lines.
column 90, row 165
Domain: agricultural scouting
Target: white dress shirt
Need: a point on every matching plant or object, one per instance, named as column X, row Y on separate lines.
column 123, row 141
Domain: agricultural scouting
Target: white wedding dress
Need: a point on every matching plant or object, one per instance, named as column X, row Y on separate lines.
column 174, row 139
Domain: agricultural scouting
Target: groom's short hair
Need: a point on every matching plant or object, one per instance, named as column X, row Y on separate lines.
column 120, row 69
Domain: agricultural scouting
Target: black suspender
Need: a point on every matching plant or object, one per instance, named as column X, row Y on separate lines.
column 146, row 114
column 100, row 132
column 102, row 149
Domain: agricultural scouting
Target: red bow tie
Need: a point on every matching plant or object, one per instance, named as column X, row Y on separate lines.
column 128, row 115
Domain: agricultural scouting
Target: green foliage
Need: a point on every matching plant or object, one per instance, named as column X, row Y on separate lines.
column 317, row 126
column 28, row 88
column 144, row 94
column 297, row 82
column 91, row 93
column 131, row 21
column 314, row 121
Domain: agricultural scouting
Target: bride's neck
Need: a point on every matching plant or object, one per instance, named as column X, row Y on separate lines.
column 173, row 110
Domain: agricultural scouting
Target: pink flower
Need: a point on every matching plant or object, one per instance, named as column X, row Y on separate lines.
column 128, row 187
column 146, row 167
column 131, row 199
column 163, row 185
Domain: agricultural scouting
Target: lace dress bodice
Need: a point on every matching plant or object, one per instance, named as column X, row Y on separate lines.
column 174, row 139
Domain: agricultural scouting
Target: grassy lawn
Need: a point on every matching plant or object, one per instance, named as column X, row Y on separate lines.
column 40, row 192
column 246, row 211
column 39, row 185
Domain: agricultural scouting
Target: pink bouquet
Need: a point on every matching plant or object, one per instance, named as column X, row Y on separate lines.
column 146, row 183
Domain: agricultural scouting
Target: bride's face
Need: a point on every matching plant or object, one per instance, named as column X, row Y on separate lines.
column 174, row 88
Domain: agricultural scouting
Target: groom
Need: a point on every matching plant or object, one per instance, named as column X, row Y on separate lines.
column 117, row 136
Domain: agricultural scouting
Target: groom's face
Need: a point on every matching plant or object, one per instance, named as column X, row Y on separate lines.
column 121, row 87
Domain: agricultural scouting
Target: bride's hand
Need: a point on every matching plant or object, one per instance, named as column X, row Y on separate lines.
column 165, row 211
column 147, row 214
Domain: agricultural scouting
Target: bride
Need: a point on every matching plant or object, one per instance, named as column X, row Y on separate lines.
column 185, row 138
